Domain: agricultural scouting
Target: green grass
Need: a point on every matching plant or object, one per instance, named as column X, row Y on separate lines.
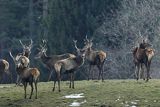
column 111, row 93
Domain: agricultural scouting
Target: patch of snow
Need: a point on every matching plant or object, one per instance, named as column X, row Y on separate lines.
column 145, row 101
column 133, row 102
column 117, row 99
column 133, row 106
column 126, row 102
column 77, row 104
column 75, row 96
column 126, row 105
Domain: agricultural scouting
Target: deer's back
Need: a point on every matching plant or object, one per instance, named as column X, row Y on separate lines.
column 92, row 56
column 27, row 73
column 54, row 58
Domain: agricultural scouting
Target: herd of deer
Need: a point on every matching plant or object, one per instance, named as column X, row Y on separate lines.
column 69, row 63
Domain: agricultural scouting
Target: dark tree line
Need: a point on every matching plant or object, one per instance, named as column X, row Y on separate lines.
column 114, row 26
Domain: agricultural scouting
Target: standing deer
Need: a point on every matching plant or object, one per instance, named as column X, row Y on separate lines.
column 49, row 61
column 69, row 65
column 4, row 68
column 94, row 58
column 26, row 52
column 27, row 75
column 26, row 48
column 142, row 56
column 24, row 60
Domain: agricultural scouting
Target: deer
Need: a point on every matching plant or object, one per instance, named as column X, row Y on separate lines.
column 26, row 48
column 23, row 59
column 94, row 58
column 49, row 61
column 69, row 65
column 4, row 68
column 142, row 56
column 26, row 52
column 27, row 75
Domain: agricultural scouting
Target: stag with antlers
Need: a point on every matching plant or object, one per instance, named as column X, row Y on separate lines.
column 95, row 58
column 69, row 65
column 26, row 48
column 142, row 56
column 49, row 61
column 24, row 55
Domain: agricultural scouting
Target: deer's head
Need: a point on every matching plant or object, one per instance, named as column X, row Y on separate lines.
column 27, row 48
column 145, row 44
column 80, row 52
column 19, row 59
column 42, row 50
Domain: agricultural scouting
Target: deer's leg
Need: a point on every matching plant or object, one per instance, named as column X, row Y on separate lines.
column 102, row 68
column 59, row 78
column 142, row 72
column 50, row 75
column 35, row 83
column 90, row 66
column 1, row 78
column 11, row 77
column 25, row 86
column 55, row 79
column 99, row 68
column 31, row 83
column 137, row 73
column 73, row 80
column 148, row 69
column 18, row 81
column 70, row 80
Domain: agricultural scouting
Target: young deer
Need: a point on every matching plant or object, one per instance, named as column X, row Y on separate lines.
column 95, row 58
column 69, row 65
column 143, row 55
column 49, row 61
column 27, row 75
column 4, row 68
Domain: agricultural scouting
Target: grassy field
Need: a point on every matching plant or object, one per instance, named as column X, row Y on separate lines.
column 111, row 93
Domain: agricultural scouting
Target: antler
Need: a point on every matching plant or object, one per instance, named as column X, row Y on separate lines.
column 22, row 44
column 11, row 55
column 44, row 42
column 75, row 44
column 31, row 43
column 87, row 39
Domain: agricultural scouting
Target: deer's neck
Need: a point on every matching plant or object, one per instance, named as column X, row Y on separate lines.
column 90, row 54
column 44, row 58
column 26, row 54
column 79, row 60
